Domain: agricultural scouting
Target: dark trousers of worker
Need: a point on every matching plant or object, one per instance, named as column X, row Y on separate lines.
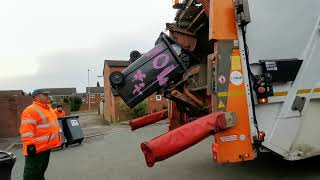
column 36, row 166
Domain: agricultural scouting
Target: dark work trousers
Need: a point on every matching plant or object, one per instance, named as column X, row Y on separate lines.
column 36, row 165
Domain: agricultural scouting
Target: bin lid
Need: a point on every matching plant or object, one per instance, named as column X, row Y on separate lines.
column 4, row 155
column 7, row 159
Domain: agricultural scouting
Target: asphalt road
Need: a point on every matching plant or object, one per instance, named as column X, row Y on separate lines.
column 117, row 155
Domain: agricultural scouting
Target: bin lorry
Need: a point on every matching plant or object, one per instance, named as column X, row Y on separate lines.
column 243, row 72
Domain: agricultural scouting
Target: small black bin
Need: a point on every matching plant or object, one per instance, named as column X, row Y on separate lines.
column 7, row 161
column 72, row 130
column 162, row 66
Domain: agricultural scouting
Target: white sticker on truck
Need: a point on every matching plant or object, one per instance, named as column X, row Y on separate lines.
column 229, row 138
column 271, row 66
column 242, row 137
column 236, row 78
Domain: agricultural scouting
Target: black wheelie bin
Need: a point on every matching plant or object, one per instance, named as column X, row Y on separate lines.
column 7, row 161
column 158, row 69
column 63, row 138
column 72, row 130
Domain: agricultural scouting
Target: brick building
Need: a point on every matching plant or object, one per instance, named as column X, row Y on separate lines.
column 13, row 93
column 12, row 103
column 95, row 94
column 58, row 94
column 113, row 104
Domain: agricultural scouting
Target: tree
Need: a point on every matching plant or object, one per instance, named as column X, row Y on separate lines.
column 66, row 100
column 138, row 111
column 75, row 103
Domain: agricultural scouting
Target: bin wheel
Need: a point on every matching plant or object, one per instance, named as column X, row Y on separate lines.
column 116, row 79
column 67, row 145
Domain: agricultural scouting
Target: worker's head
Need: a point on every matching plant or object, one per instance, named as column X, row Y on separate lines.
column 41, row 96
column 59, row 108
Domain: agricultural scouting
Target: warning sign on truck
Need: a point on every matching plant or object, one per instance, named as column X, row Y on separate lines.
column 221, row 105
column 229, row 138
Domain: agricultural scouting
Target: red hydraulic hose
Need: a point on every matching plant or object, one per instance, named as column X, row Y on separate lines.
column 148, row 119
column 181, row 138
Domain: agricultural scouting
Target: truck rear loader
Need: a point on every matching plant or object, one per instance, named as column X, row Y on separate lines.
column 244, row 72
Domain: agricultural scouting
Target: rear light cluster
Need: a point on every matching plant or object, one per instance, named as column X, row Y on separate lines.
column 263, row 87
column 261, row 135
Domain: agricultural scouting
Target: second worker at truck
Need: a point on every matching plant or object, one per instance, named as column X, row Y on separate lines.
column 59, row 111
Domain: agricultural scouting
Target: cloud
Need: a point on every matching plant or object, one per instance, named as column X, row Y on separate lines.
column 60, row 40
column 69, row 68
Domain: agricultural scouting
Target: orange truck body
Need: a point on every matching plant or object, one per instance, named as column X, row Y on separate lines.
column 234, row 144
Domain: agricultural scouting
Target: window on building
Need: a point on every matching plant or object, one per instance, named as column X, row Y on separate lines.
column 92, row 96
column 102, row 95
column 158, row 97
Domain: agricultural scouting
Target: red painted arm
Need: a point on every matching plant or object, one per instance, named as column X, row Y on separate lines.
column 179, row 139
column 148, row 119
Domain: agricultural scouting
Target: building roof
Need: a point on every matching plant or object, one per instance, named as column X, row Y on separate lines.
column 116, row 63
column 80, row 95
column 13, row 92
column 94, row 90
column 61, row 91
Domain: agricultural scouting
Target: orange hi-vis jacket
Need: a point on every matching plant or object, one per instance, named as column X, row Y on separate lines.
column 59, row 114
column 39, row 126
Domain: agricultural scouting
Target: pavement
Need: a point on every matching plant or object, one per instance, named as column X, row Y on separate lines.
column 117, row 155
column 7, row 143
column 165, row 121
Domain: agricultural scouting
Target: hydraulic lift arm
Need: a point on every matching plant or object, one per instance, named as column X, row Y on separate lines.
column 179, row 139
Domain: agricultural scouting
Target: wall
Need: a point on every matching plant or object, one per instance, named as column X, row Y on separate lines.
column 110, row 106
column 94, row 103
column 11, row 108
column 119, row 106
column 155, row 106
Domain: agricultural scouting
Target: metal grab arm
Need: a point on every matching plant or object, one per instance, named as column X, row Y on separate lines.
column 179, row 139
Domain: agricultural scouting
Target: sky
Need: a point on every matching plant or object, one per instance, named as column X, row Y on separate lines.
column 50, row 44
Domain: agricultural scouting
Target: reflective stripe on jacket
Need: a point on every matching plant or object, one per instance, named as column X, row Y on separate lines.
column 39, row 126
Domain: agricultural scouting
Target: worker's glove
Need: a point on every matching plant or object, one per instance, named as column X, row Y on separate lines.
column 31, row 149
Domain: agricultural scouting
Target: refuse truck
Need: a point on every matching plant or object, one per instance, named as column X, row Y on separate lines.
column 243, row 72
